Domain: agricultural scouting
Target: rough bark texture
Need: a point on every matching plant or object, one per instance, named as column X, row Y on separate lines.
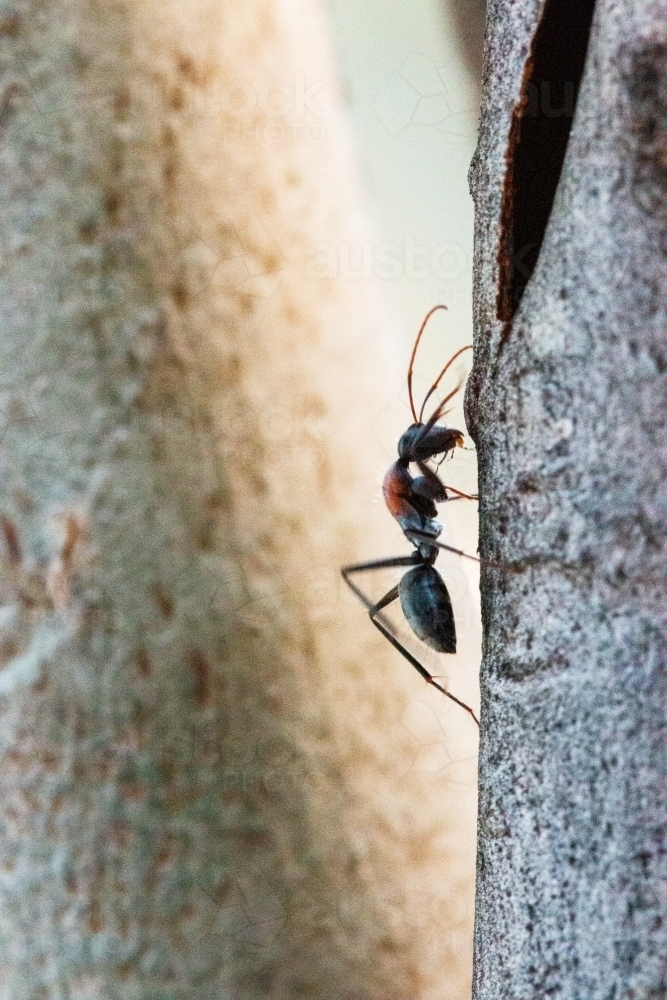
column 206, row 789
column 568, row 402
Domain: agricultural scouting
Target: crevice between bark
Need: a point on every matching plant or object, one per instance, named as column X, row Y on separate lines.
column 539, row 133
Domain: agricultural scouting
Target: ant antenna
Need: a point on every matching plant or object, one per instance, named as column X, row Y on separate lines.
column 430, row 392
column 412, row 359
column 440, row 410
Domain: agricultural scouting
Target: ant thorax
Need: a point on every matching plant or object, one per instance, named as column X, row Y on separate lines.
column 412, row 501
column 408, row 502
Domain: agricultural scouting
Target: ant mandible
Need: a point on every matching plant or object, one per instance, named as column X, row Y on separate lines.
column 422, row 593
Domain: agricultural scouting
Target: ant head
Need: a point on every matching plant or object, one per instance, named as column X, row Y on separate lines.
column 439, row 411
column 423, row 441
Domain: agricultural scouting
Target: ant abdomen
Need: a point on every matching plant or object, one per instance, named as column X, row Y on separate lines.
column 427, row 607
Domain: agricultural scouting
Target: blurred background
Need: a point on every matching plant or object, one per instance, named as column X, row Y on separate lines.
column 289, row 810
column 411, row 74
column 411, row 70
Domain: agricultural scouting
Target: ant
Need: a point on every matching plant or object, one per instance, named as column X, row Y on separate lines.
column 422, row 593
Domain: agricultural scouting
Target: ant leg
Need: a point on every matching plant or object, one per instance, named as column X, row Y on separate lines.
column 463, row 496
column 432, row 486
column 374, row 564
column 466, row 555
column 387, row 599
column 418, row 536
column 383, row 625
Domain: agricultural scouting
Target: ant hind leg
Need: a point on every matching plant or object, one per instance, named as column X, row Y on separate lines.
column 384, row 625
column 373, row 611
column 369, row 567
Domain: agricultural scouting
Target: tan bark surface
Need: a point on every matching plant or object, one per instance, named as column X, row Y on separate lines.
column 207, row 785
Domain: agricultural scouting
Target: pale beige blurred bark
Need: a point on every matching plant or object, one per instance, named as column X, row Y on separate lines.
column 207, row 790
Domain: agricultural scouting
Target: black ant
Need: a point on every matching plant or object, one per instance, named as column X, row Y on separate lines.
column 412, row 501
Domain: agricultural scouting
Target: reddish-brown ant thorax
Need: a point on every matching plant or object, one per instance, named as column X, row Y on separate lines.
column 397, row 490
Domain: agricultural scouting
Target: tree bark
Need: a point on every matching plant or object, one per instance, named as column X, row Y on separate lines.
column 568, row 405
column 206, row 787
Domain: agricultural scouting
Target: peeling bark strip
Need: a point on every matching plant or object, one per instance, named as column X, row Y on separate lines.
column 569, row 418
column 541, row 124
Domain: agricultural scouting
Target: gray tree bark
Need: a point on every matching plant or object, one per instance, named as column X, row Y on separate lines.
column 205, row 788
column 568, row 406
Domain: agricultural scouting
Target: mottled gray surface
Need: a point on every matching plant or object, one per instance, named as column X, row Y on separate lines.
column 570, row 418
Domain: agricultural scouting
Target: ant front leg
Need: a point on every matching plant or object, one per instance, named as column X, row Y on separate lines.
column 430, row 485
column 462, row 496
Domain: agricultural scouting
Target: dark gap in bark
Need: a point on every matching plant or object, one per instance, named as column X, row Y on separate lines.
column 538, row 138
